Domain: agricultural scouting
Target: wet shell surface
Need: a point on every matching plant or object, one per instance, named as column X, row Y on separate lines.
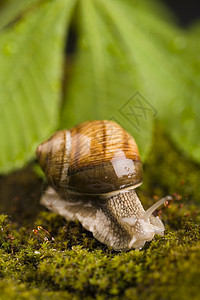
column 91, row 158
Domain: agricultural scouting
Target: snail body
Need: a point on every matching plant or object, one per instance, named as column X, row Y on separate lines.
column 93, row 170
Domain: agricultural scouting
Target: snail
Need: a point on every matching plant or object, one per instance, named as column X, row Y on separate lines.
column 93, row 170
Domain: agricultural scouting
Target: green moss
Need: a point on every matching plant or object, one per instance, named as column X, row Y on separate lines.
column 62, row 260
column 36, row 266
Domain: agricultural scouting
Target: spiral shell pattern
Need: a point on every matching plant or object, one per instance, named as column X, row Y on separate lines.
column 94, row 157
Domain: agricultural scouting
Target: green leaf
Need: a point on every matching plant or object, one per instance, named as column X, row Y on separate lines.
column 183, row 120
column 106, row 81
column 124, row 47
column 131, row 65
column 12, row 9
column 31, row 55
column 168, row 63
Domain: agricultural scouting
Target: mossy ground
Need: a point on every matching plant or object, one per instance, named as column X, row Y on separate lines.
column 68, row 263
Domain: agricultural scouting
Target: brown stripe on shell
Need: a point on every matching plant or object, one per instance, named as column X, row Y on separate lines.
column 104, row 137
column 53, row 149
column 130, row 147
column 91, row 145
column 84, row 144
column 76, row 147
column 48, row 162
column 63, row 155
column 125, row 141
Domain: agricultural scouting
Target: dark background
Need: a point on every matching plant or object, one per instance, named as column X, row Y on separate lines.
column 186, row 11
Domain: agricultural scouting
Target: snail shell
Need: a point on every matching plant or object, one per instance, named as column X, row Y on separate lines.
column 92, row 158
column 93, row 170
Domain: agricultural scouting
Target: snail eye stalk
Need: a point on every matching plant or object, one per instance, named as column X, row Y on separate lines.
column 152, row 208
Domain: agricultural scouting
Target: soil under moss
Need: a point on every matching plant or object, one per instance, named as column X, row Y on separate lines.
column 60, row 259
